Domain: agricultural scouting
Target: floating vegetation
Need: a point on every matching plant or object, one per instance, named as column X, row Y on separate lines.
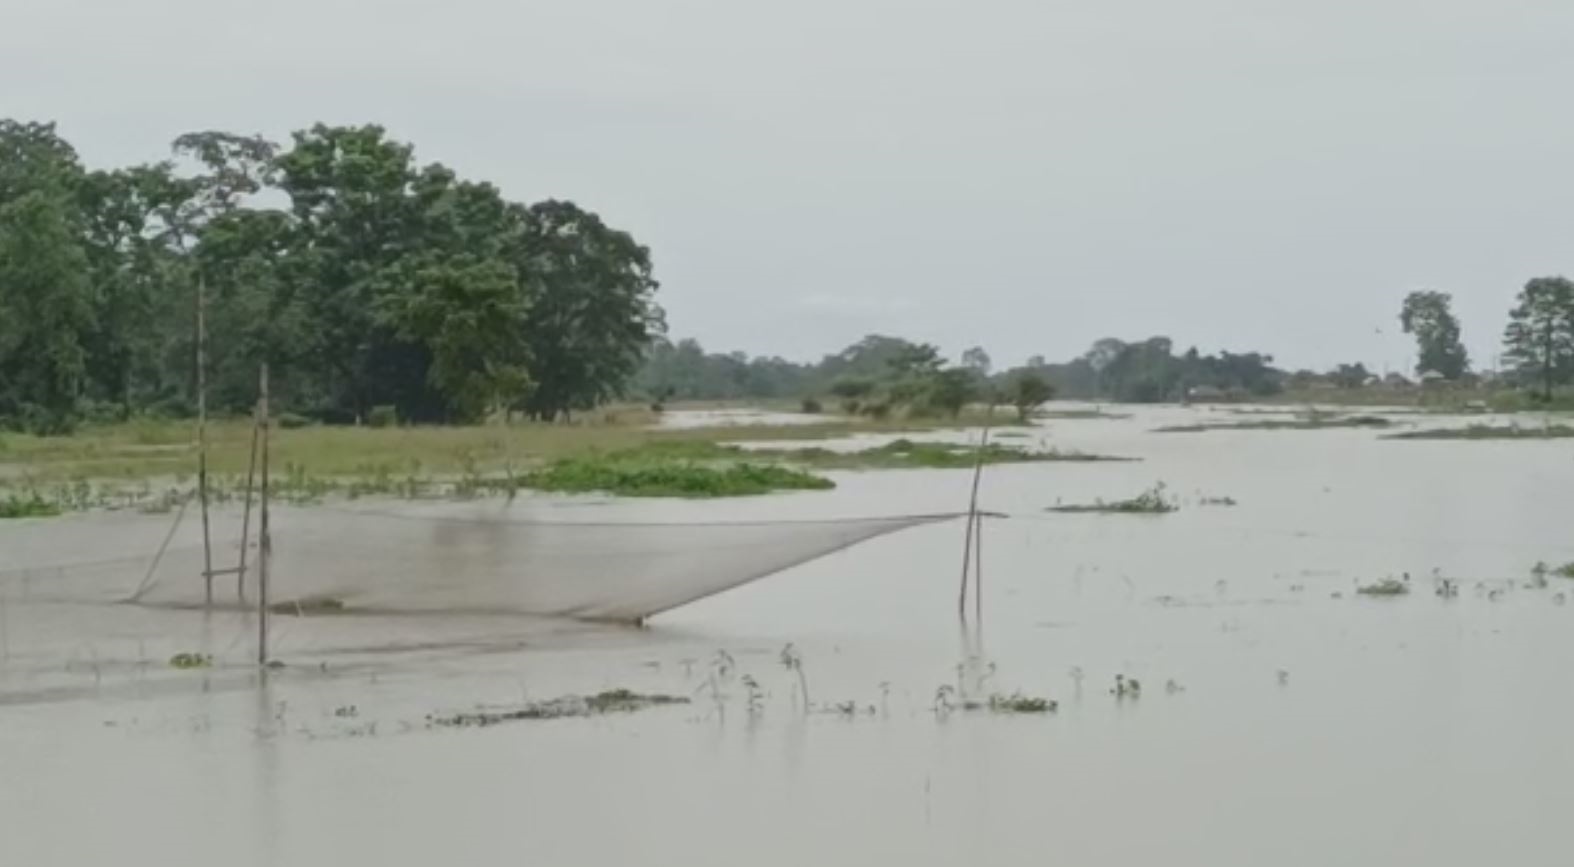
column 612, row 701
column 1315, row 421
column 1385, row 587
column 898, row 454
column 1488, row 432
column 1078, row 414
column 308, row 605
column 1016, row 702
column 647, row 478
column 1154, row 501
column 187, row 661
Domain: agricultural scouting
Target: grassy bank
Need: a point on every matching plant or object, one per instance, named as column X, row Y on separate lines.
column 150, row 465
column 159, row 449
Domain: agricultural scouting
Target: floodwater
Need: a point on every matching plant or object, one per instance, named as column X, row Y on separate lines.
column 1309, row 725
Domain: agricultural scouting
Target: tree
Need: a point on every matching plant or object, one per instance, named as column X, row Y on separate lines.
column 1027, row 391
column 45, row 313
column 977, row 360
column 594, row 307
column 947, row 391
column 1350, row 375
column 1539, row 340
column 1428, row 315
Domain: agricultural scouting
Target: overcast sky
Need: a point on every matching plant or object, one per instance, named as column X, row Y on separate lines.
column 1030, row 175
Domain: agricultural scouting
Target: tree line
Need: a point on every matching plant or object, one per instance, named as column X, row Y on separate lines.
column 363, row 278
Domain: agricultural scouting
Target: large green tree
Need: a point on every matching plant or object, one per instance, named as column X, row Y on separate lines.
column 1429, row 316
column 1539, row 340
column 593, row 312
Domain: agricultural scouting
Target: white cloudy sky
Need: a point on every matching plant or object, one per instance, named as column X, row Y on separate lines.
column 1027, row 174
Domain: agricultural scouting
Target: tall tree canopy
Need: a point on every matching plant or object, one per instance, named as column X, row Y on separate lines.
column 1539, row 340
column 1430, row 317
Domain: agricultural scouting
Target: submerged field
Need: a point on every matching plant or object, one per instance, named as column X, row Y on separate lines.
column 1282, row 714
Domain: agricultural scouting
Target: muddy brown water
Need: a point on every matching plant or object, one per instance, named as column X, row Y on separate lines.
column 1313, row 726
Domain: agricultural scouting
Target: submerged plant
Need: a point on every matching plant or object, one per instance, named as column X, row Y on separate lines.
column 1154, row 501
column 792, row 661
column 1385, row 587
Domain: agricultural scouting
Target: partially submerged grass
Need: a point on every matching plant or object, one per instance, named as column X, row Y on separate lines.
column 1153, row 501
column 27, row 505
column 148, row 465
column 1385, row 587
column 1315, row 421
column 1489, row 432
column 611, row 701
column 1016, row 702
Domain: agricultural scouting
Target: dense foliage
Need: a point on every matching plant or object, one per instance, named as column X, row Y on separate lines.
column 1430, row 317
column 364, row 279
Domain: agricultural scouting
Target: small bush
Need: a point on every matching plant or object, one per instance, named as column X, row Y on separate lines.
column 811, row 406
column 291, row 421
column 384, row 415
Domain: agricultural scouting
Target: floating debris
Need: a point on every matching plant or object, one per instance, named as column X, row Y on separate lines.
column 1284, row 677
column 612, row 701
column 1172, row 687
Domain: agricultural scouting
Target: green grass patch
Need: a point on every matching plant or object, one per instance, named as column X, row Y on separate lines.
column 1489, row 432
column 1153, row 501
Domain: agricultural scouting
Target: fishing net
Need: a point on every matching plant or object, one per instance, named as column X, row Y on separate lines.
column 472, row 560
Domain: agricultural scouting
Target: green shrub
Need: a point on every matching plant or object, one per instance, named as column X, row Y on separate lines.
column 812, row 406
column 383, row 415
column 291, row 420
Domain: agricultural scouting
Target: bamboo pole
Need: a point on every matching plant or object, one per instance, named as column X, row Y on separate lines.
column 265, row 541
column 245, row 521
column 978, row 528
column 969, row 553
column 202, row 437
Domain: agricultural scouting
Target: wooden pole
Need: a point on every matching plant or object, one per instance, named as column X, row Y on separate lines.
column 265, row 541
column 202, row 437
column 245, row 521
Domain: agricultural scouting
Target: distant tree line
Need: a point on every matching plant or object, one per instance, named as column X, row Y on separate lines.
column 363, row 278
column 880, row 374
